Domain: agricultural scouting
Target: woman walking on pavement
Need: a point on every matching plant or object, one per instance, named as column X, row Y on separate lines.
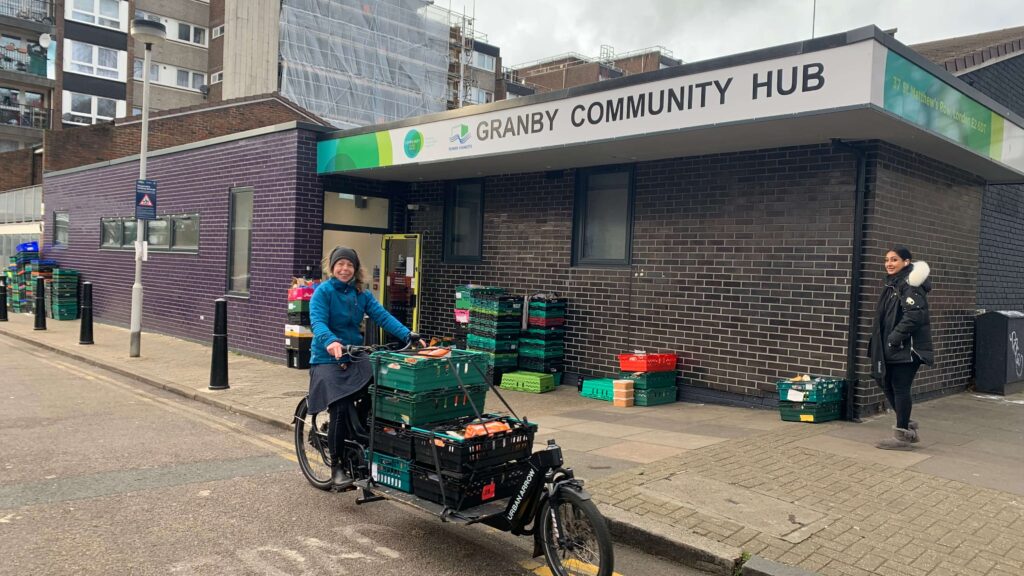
column 901, row 340
column 336, row 311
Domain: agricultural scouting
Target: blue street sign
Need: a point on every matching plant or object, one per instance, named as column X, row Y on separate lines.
column 145, row 199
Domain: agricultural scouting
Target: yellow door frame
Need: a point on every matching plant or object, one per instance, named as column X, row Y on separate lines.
column 415, row 278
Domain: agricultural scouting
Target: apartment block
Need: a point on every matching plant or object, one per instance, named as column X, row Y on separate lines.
column 27, row 78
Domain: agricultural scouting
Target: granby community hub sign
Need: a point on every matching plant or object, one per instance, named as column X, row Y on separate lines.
column 859, row 75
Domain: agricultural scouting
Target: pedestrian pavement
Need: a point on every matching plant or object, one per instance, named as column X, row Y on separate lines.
column 708, row 485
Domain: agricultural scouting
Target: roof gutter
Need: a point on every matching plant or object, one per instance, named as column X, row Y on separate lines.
column 856, row 264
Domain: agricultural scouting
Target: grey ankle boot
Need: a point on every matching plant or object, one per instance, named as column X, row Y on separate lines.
column 901, row 440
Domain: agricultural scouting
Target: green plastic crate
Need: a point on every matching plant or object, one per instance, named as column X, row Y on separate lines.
column 491, row 344
column 598, row 389
column 648, row 380
column 414, row 373
column 298, row 306
column 416, row 408
column 509, row 306
column 545, row 334
column 391, row 471
column 505, row 333
column 654, row 396
column 535, row 313
column 533, row 382
column 500, row 359
column 542, row 353
column 464, row 294
column 810, row 411
column 816, row 390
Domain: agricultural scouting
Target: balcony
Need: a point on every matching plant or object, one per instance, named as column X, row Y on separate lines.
column 24, row 116
column 37, row 14
column 30, row 59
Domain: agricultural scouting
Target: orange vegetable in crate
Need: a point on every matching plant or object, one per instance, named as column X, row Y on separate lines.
column 486, row 429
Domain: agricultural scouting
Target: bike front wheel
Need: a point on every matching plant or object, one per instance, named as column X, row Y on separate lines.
column 575, row 537
column 311, row 446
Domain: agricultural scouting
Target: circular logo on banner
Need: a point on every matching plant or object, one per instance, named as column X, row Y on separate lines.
column 413, row 143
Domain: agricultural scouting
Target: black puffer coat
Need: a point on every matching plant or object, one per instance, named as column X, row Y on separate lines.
column 902, row 331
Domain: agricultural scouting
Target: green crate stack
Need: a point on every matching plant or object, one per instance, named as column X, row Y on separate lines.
column 542, row 347
column 62, row 293
column 499, row 344
column 465, row 293
column 22, row 286
column 494, row 322
column 533, row 382
column 817, row 399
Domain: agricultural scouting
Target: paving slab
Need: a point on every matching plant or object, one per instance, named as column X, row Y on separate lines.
column 640, row 452
column 676, row 439
column 862, row 451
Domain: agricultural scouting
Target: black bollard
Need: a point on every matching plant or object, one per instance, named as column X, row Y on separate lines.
column 85, row 332
column 219, row 365
column 3, row 300
column 40, row 305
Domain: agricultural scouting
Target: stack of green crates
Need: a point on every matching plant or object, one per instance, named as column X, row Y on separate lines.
column 542, row 345
column 494, row 323
column 414, row 390
column 817, row 399
column 533, row 382
column 465, row 293
column 21, row 283
column 652, row 388
column 62, row 294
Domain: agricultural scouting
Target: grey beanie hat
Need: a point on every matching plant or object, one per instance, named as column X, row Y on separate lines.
column 344, row 253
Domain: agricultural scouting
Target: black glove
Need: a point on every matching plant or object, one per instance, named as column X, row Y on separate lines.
column 413, row 337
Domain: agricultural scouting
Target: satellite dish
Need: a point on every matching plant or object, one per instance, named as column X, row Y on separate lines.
column 44, row 40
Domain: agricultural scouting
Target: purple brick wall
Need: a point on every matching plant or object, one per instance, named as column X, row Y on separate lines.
column 741, row 263
column 179, row 288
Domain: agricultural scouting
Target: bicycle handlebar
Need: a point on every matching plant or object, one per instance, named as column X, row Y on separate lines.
column 350, row 349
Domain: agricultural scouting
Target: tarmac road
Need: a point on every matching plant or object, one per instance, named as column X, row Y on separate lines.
column 102, row 475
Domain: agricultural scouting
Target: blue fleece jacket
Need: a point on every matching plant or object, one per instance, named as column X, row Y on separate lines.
column 336, row 311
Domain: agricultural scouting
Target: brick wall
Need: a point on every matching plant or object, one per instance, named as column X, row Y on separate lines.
column 179, row 288
column 1002, row 81
column 80, row 146
column 21, row 168
column 934, row 210
column 741, row 263
column 1001, row 265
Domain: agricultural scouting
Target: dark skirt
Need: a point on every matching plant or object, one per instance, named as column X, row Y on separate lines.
column 329, row 383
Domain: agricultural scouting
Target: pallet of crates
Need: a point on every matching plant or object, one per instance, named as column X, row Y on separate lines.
column 810, row 399
column 653, row 376
column 411, row 389
column 298, row 331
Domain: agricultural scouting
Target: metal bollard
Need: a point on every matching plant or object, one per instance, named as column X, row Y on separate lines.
column 85, row 332
column 40, row 305
column 3, row 300
column 219, row 365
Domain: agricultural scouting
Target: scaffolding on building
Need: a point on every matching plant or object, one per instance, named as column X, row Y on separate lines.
column 357, row 63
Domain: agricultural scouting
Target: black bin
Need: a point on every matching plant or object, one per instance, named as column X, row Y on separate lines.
column 999, row 352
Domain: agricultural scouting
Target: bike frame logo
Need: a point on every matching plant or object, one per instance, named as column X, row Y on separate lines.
column 1018, row 358
column 460, row 134
column 413, row 143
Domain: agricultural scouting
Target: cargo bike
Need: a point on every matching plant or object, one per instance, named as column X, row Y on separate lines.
column 472, row 468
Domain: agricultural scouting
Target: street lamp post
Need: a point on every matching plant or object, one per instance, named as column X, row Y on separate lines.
column 148, row 32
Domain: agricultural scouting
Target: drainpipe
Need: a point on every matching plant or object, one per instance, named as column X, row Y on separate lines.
column 855, row 275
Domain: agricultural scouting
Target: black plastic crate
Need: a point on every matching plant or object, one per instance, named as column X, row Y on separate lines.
column 300, row 318
column 460, row 455
column 462, row 491
column 541, row 365
column 392, row 440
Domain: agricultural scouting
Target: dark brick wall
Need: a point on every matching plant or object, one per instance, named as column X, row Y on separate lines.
column 1001, row 266
column 20, row 168
column 179, row 288
column 741, row 263
column 1002, row 81
column 934, row 210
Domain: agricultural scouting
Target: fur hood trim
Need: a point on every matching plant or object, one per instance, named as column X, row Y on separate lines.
column 919, row 273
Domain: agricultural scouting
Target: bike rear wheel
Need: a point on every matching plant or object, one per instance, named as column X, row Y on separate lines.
column 575, row 537
column 311, row 446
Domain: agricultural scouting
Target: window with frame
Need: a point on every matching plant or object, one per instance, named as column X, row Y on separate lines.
column 483, row 61
column 93, row 60
column 60, row 228
column 603, row 217
column 216, row 78
column 191, row 34
column 179, row 232
column 464, row 222
column 240, row 240
column 479, row 96
column 86, row 109
column 106, row 13
column 218, row 31
column 154, row 70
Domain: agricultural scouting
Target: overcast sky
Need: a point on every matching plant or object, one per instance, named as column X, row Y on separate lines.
column 696, row 30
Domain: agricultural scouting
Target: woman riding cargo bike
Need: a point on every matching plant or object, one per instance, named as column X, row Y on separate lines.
column 408, row 425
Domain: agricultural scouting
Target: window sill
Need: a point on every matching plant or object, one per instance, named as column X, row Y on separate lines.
column 237, row 296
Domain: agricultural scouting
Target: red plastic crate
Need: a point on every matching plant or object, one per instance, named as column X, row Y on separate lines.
column 546, row 322
column 647, row 362
column 300, row 293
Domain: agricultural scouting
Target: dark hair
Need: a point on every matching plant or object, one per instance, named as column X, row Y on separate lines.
column 903, row 252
